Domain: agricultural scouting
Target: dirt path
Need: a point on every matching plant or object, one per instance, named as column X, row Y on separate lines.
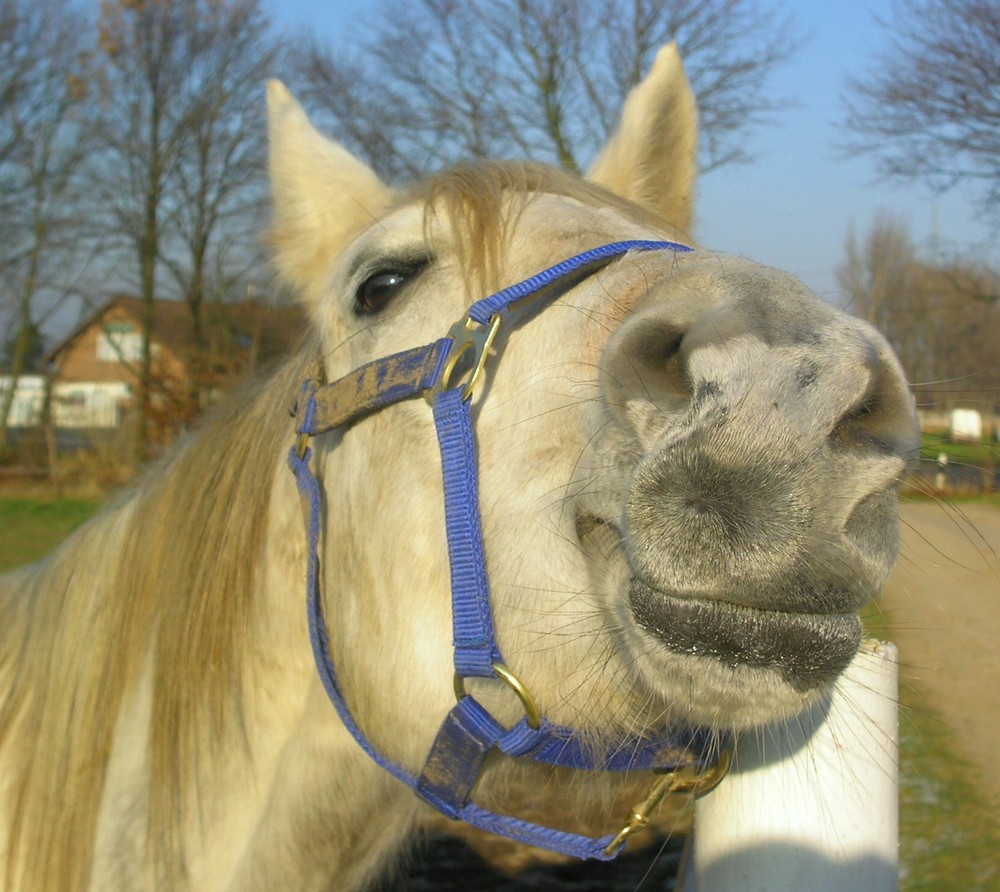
column 943, row 603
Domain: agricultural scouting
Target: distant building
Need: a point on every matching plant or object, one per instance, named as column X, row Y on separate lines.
column 95, row 370
column 966, row 424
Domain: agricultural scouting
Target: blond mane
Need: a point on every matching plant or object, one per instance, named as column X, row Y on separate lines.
column 185, row 548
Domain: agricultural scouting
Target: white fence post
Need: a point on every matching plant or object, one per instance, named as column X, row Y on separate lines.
column 811, row 805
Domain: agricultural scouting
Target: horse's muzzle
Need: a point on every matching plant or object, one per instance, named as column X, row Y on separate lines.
column 760, row 511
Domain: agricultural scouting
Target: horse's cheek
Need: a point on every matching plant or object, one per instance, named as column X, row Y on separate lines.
column 379, row 572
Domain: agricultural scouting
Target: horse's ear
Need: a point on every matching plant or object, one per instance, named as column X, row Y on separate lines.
column 323, row 196
column 652, row 157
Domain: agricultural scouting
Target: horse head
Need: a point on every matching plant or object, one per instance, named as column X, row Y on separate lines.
column 687, row 462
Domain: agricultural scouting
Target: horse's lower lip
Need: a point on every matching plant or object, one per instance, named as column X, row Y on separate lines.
column 808, row 649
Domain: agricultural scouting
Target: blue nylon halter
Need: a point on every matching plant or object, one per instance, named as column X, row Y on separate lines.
column 469, row 732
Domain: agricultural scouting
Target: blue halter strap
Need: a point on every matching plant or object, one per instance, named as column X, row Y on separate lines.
column 686, row 761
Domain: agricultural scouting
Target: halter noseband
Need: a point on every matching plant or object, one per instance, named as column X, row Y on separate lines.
column 687, row 761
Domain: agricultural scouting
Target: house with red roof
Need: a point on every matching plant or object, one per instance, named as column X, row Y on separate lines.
column 96, row 368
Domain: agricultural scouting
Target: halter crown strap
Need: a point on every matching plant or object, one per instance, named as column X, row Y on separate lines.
column 468, row 732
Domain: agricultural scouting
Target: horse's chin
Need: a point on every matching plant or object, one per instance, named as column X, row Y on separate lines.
column 752, row 666
column 714, row 663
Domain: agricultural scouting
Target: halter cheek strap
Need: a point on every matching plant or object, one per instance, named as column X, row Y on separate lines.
column 469, row 732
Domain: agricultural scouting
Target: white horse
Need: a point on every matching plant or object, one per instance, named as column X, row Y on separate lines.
column 687, row 477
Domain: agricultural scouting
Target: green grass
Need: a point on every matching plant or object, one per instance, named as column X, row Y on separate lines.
column 977, row 454
column 949, row 836
column 981, row 498
column 31, row 528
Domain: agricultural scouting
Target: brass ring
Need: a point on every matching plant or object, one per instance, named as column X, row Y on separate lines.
column 690, row 780
column 449, row 367
column 469, row 335
column 531, row 711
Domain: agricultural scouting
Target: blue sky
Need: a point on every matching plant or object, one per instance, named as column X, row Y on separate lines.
column 792, row 207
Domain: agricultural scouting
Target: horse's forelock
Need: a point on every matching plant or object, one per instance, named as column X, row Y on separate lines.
column 482, row 202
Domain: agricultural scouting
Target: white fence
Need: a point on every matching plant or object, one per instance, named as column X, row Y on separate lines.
column 29, row 398
column 969, row 423
column 74, row 405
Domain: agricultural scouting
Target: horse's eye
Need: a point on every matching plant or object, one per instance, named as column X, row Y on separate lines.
column 377, row 290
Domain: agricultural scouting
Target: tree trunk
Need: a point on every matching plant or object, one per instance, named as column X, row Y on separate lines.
column 22, row 344
column 149, row 247
column 147, row 266
column 51, row 445
column 17, row 367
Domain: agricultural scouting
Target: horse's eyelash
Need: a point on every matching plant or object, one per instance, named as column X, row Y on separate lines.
column 408, row 264
column 406, row 269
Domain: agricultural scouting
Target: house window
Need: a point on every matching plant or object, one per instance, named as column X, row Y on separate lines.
column 119, row 342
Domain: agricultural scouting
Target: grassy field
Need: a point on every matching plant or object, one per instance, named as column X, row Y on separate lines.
column 949, row 836
column 977, row 454
column 31, row 528
column 950, row 839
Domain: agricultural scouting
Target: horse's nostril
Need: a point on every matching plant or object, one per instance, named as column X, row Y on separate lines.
column 860, row 426
column 880, row 420
column 883, row 415
column 662, row 350
column 645, row 361
column 654, row 352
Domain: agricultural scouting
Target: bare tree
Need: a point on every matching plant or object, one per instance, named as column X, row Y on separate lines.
column 146, row 50
column 878, row 270
column 16, row 63
column 960, row 337
column 929, row 110
column 179, row 158
column 437, row 81
column 931, row 311
column 45, row 141
column 220, row 191
column 880, row 273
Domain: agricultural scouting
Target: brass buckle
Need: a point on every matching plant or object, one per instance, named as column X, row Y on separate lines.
column 467, row 334
column 689, row 779
column 301, row 445
column 531, row 710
